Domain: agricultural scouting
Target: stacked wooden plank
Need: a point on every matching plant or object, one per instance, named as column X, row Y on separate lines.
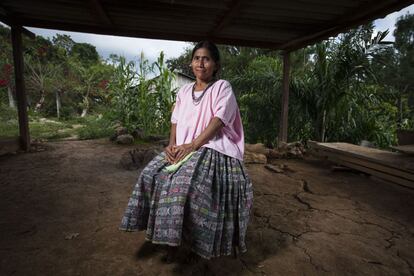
column 407, row 149
column 392, row 166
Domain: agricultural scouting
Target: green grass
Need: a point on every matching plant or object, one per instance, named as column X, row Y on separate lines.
column 91, row 127
column 37, row 130
column 8, row 122
column 48, row 130
column 95, row 128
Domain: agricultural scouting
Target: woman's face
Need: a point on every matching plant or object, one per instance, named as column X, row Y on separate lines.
column 203, row 65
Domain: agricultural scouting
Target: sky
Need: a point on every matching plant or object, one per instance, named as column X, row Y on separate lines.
column 131, row 48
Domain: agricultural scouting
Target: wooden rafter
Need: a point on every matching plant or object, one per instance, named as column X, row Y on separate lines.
column 142, row 33
column 285, row 25
column 8, row 18
column 225, row 18
column 347, row 21
column 99, row 12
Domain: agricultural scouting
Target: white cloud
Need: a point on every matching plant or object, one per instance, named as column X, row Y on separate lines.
column 129, row 47
column 389, row 21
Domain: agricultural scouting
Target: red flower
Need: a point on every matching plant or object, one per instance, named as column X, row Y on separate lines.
column 3, row 83
column 41, row 51
column 6, row 74
column 103, row 84
column 7, row 68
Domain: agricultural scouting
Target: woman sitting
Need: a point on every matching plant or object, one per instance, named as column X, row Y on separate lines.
column 197, row 191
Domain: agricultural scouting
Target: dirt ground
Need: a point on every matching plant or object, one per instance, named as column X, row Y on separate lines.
column 60, row 210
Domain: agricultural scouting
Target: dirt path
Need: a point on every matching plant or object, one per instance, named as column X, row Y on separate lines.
column 60, row 210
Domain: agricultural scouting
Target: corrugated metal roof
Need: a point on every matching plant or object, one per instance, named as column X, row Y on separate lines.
column 283, row 24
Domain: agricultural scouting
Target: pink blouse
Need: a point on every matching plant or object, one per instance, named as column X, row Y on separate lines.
column 219, row 101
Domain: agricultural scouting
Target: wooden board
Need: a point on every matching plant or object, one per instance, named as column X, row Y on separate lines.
column 407, row 149
column 398, row 180
column 391, row 166
column 396, row 160
column 340, row 159
column 374, row 166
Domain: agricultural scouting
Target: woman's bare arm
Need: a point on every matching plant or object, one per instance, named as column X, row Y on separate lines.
column 206, row 135
column 170, row 149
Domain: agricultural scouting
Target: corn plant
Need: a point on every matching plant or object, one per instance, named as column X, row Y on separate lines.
column 141, row 102
column 123, row 93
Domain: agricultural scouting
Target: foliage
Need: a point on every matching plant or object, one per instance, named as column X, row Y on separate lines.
column 123, row 96
column 164, row 95
column 96, row 127
column 8, row 121
column 140, row 102
column 260, row 99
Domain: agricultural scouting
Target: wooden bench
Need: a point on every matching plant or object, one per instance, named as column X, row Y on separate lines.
column 392, row 166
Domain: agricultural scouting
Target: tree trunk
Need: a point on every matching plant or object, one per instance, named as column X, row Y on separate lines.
column 320, row 126
column 400, row 107
column 85, row 106
column 11, row 100
column 58, row 103
column 323, row 126
column 40, row 102
column 85, row 103
column 399, row 113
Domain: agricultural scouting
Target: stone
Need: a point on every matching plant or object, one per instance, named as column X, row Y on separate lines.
column 121, row 131
column 155, row 138
column 125, row 139
column 138, row 134
column 137, row 158
column 257, row 148
column 254, row 158
column 274, row 168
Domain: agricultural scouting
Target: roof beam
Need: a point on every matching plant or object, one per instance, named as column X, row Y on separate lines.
column 99, row 12
column 143, row 33
column 225, row 18
column 372, row 10
column 6, row 16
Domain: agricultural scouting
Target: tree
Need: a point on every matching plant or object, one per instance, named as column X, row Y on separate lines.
column 40, row 70
column 6, row 67
column 404, row 46
column 63, row 42
column 85, row 53
column 340, row 95
column 89, row 82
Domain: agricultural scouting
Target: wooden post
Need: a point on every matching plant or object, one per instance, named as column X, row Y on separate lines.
column 16, row 36
column 285, row 100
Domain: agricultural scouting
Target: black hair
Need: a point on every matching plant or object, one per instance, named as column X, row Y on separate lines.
column 212, row 48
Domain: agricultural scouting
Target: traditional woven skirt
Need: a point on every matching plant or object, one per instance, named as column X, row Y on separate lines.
column 206, row 204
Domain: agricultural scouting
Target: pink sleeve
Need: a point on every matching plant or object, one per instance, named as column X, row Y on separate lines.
column 225, row 105
column 174, row 115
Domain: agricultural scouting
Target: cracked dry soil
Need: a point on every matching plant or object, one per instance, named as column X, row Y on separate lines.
column 60, row 210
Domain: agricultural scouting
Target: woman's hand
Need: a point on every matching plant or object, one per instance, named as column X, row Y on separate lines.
column 170, row 153
column 183, row 150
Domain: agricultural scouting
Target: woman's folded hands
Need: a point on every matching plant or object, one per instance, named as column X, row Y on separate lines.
column 176, row 153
